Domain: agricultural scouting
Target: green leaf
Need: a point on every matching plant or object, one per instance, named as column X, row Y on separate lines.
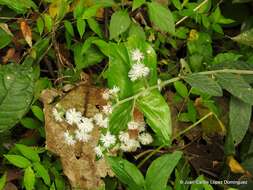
column 28, row 152
column 226, row 57
column 40, row 25
column 95, row 27
column 69, row 27
column 3, row 181
column 48, row 22
column 245, row 38
column 30, row 123
column 137, row 4
column 16, row 93
column 29, row 179
column 237, row 86
column 201, row 185
column 160, row 169
column 37, row 111
column 18, row 161
column 161, row 17
column 157, row 113
column 181, row 89
column 177, row 4
column 42, row 172
column 127, row 173
column 119, row 23
column 204, row 84
column 239, row 123
column 19, row 6
column 81, row 24
column 92, row 11
column 5, row 38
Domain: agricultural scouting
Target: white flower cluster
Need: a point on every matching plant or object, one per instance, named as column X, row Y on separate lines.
column 139, row 69
column 111, row 93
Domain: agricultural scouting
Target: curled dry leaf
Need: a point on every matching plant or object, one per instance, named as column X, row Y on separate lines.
column 9, row 55
column 27, row 33
column 78, row 161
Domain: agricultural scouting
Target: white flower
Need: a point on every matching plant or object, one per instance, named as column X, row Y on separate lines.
column 130, row 146
column 145, row 138
column 73, row 116
column 108, row 139
column 137, row 71
column 82, row 135
column 124, row 136
column 106, row 95
column 107, row 109
column 98, row 151
column 132, row 125
column 69, row 138
column 100, row 120
column 115, row 90
column 57, row 115
column 142, row 127
column 85, row 125
column 137, row 55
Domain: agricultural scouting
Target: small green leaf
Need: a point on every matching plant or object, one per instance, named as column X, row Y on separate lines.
column 29, row 179
column 19, row 6
column 204, row 84
column 30, row 123
column 177, row 4
column 69, row 27
column 127, row 173
column 5, row 39
column 95, row 27
column 37, row 111
column 161, row 17
column 81, row 24
column 137, row 4
column 28, row 152
column 245, row 38
column 237, row 86
column 18, row 161
column 239, row 123
column 40, row 25
column 42, row 172
column 160, row 169
column 48, row 22
column 3, row 181
column 119, row 23
column 181, row 89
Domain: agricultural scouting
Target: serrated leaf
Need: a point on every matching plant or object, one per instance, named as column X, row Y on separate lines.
column 119, row 23
column 18, row 161
column 237, row 86
column 42, row 172
column 127, row 173
column 16, row 93
column 160, row 169
column 245, row 38
column 239, row 123
column 29, row 179
column 157, row 113
column 204, row 84
column 28, row 152
column 81, row 24
column 161, row 17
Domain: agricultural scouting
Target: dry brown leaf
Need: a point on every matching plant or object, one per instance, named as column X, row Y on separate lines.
column 9, row 55
column 5, row 27
column 79, row 161
column 26, row 31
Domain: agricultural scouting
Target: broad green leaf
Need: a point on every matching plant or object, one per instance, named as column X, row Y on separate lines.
column 48, row 22
column 157, row 113
column 137, row 30
column 16, row 93
column 237, row 86
column 160, row 169
column 28, row 152
column 95, row 27
column 161, row 17
column 18, row 161
column 30, row 123
column 127, row 173
column 119, row 23
column 5, row 38
column 40, row 25
column 201, row 184
column 42, row 172
column 69, row 27
column 3, row 181
column 137, row 4
column 204, row 84
column 245, row 38
column 38, row 112
column 239, row 123
column 19, row 6
column 29, row 179
column 181, row 89
column 81, row 24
